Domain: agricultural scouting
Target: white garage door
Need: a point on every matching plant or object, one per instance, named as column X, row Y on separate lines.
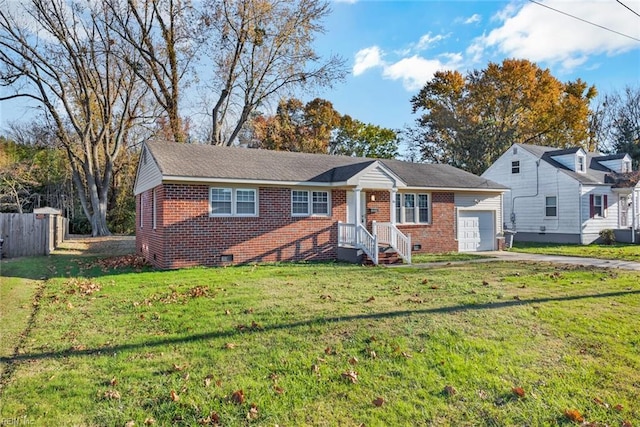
column 475, row 231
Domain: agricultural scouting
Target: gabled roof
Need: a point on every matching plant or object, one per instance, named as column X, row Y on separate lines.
column 595, row 174
column 184, row 161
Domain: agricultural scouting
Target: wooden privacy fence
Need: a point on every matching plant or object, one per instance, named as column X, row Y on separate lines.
column 31, row 234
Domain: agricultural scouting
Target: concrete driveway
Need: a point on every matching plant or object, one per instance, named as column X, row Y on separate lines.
column 557, row 259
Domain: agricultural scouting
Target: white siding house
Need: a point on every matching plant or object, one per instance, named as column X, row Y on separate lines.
column 567, row 196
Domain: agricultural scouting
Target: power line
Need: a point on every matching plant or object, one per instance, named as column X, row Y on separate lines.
column 633, row 11
column 585, row 21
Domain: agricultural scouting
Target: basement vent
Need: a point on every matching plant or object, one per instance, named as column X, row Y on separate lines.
column 226, row 258
column 416, row 247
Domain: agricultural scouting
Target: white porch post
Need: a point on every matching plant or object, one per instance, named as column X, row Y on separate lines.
column 358, row 213
column 393, row 218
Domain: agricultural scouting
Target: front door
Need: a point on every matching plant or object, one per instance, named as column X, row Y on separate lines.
column 351, row 207
column 624, row 211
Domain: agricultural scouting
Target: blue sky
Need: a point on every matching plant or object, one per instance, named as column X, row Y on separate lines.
column 394, row 47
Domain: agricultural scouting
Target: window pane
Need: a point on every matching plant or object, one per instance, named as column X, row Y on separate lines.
column 409, row 207
column 597, row 204
column 515, row 166
column 245, row 202
column 423, row 208
column 221, row 201
column 398, row 207
column 320, row 203
column 300, row 202
column 550, row 206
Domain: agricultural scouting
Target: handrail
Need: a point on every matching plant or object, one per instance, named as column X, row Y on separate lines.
column 368, row 243
column 389, row 234
column 358, row 237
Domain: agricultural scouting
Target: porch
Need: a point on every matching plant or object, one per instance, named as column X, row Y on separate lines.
column 384, row 245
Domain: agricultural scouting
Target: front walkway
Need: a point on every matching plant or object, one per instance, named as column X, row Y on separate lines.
column 557, row 259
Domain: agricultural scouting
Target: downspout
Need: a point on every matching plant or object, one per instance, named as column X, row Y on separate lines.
column 513, row 199
column 580, row 210
column 633, row 216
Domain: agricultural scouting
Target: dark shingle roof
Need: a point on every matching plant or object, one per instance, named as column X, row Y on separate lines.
column 596, row 173
column 207, row 161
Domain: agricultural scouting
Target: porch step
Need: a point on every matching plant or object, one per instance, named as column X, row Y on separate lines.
column 386, row 256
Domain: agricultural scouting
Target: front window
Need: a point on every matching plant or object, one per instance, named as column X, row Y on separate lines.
column 245, row 202
column 305, row 203
column 220, row 201
column 320, row 203
column 551, row 206
column 412, row 208
column 233, row 202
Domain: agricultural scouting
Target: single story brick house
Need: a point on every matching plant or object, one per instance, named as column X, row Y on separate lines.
column 208, row 205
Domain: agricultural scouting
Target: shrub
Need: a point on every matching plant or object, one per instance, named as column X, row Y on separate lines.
column 608, row 236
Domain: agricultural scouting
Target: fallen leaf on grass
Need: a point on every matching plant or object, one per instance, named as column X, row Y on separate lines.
column 229, row 345
column 328, row 350
column 626, row 423
column 573, row 415
column 325, row 297
column 353, row 360
column 618, row 407
column 248, row 310
column 238, row 397
column 379, row 401
column 177, row 367
column 227, row 312
column 113, row 382
column 450, row 390
column 435, row 287
column 112, row 394
column 407, row 355
column 253, row 412
column 600, row 402
column 485, row 283
column 207, row 381
column 278, row 389
column 149, row 421
column 130, row 424
column 518, row 391
column 372, row 354
column 315, row 368
column 351, row 376
column 174, row 396
column 371, row 299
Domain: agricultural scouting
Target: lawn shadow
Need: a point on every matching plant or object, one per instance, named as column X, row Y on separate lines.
column 305, row 323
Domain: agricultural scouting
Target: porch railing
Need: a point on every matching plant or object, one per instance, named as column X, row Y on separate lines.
column 358, row 237
column 389, row 234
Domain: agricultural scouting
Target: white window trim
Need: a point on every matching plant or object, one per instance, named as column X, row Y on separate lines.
column 234, row 201
column 548, row 206
column 416, row 213
column 309, row 212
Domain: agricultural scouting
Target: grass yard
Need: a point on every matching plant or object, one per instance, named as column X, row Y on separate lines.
column 619, row 251
column 421, row 258
column 490, row 344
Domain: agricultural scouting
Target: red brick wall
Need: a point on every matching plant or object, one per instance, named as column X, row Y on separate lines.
column 439, row 236
column 186, row 235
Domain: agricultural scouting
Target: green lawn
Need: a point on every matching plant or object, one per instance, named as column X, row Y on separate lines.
column 321, row 344
column 618, row 251
column 421, row 258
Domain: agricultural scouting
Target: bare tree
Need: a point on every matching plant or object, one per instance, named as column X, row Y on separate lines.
column 65, row 56
column 165, row 36
column 262, row 48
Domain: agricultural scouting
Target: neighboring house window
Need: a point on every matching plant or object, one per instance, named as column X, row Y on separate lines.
column 580, row 165
column 551, row 206
column 515, row 166
column 626, row 167
column 305, row 203
column 412, row 208
column 598, row 206
column 233, row 202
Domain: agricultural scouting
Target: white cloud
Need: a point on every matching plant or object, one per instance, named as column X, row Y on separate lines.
column 543, row 35
column 414, row 71
column 367, row 58
column 427, row 40
column 473, row 19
